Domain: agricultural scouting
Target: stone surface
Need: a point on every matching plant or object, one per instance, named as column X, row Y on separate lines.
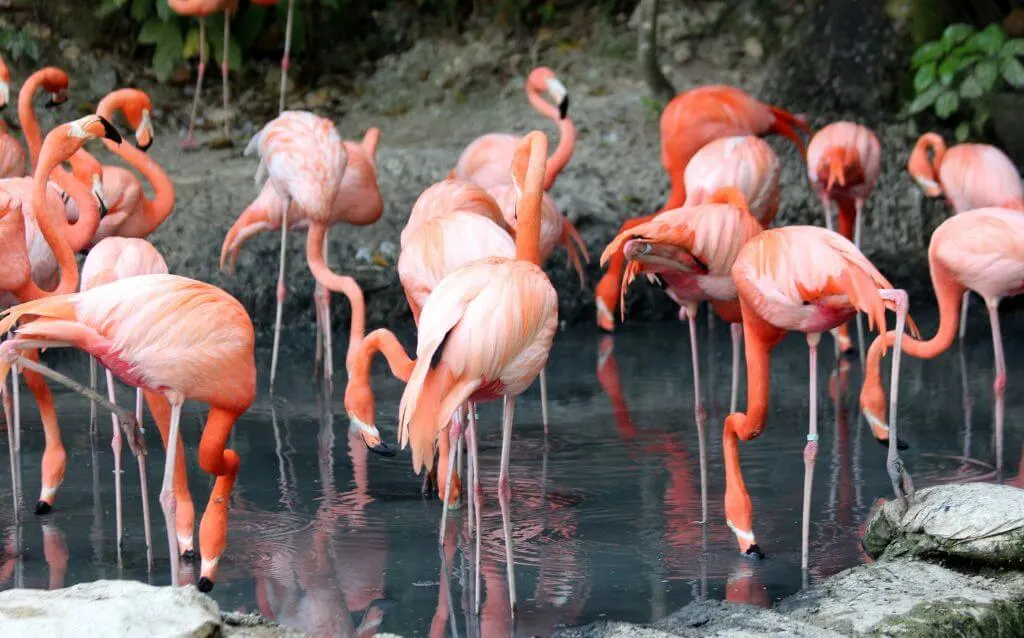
column 977, row 522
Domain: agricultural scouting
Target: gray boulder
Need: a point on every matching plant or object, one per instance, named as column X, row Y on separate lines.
column 978, row 522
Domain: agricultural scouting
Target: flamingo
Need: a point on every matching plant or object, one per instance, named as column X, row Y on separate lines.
column 201, row 9
column 844, row 160
column 806, row 279
column 485, row 161
column 29, row 213
column 691, row 120
column 357, row 202
column 112, row 259
column 175, row 337
column 485, row 332
column 970, row 176
column 12, row 155
column 690, row 251
column 982, row 251
column 55, row 82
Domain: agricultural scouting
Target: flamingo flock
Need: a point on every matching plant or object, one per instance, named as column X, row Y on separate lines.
column 471, row 266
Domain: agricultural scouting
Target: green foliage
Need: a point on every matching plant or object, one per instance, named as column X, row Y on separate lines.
column 17, row 44
column 954, row 75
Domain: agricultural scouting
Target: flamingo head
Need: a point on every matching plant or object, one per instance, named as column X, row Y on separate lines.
column 136, row 107
column 658, row 257
column 739, row 512
column 543, row 80
column 88, row 170
column 922, row 169
column 359, row 404
column 55, row 82
column 5, row 84
column 840, row 167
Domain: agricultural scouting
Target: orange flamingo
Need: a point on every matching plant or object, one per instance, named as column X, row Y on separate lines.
column 690, row 251
column 982, row 251
column 970, row 176
column 175, row 337
column 689, row 121
column 27, row 214
column 806, row 279
column 485, row 332
column 112, row 259
column 202, row 9
column 55, row 82
column 357, row 202
column 485, row 161
column 12, row 155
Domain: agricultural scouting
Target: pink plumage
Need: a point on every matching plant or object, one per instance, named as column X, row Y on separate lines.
column 116, row 258
column 747, row 163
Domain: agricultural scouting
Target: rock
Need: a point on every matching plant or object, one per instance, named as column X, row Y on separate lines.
column 978, row 522
column 753, row 48
column 237, row 625
column 913, row 598
column 716, row 618
column 109, row 608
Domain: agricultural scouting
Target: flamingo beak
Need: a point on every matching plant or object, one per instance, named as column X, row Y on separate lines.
column 5, row 94
column 144, row 134
column 930, row 187
column 560, row 95
column 748, row 544
column 371, row 436
column 836, row 175
column 97, row 190
column 56, row 99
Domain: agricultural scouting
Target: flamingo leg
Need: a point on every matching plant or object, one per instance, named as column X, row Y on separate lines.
column 144, row 485
column 326, row 309
column 689, row 311
column 115, row 446
column 190, row 139
column 92, row 384
column 826, row 204
column 287, row 49
column 737, row 341
column 15, row 479
column 811, row 449
column 963, row 313
column 224, row 66
column 16, row 396
column 167, row 500
column 474, row 460
column 901, row 482
column 318, row 352
column 544, row 399
column 505, row 495
column 454, row 434
column 280, row 295
column 185, row 516
column 999, row 386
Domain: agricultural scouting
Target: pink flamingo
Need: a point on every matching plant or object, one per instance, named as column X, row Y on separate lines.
column 112, row 259
column 690, row 251
column 202, row 9
column 485, row 161
column 806, row 279
column 844, row 161
column 982, row 251
column 357, row 201
column 173, row 336
column 970, row 176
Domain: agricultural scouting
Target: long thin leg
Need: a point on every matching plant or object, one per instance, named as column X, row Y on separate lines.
column 167, row 501
column 318, row 353
column 115, row 445
column 185, row 515
column 287, row 50
column 901, row 483
column 224, row 67
column 328, row 340
column 454, row 434
column 9, row 422
column 544, row 399
column 699, row 415
column 811, row 449
column 280, row 294
column 144, row 485
column 92, row 384
column 737, row 341
column 858, row 221
column 190, row 139
column 826, row 203
column 505, row 495
column 999, row 386
column 474, row 459
column 963, row 313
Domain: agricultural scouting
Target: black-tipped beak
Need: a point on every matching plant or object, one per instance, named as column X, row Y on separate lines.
column 382, row 449
column 205, row 585
column 563, row 107
column 103, row 209
column 51, row 103
column 900, row 444
column 755, row 552
column 144, row 147
column 109, row 131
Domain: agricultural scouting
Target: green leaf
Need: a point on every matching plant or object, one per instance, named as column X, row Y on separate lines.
column 980, row 118
column 971, row 89
column 924, row 77
column 946, row 104
column 950, row 67
column 247, row 28
column 163, row 11
column 988, row 40
column 152, row 31
column 1012, row 48
column 1013, row 72
column 108, row 7
column 191, row 47
column 929, row 52
column 963, row 131
column 141, row 9
column 164, row 60
column 956, row 33
column 986, row 73
column 925, row 99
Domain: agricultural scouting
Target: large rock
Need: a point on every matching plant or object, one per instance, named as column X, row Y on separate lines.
column 978, row 522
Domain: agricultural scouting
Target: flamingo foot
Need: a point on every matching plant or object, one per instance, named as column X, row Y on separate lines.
column 754, row 552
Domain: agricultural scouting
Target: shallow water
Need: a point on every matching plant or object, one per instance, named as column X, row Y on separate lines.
column 328, row 538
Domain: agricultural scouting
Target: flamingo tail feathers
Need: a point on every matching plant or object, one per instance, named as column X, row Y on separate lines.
column 786, row 124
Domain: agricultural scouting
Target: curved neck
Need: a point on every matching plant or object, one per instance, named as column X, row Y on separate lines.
column 156, row 210
column 337, row 283
column 528, row 212
column 938, row 146
column 384, row 341
column 27, row 117
column 566, row 136
column 79, row 234
column 58, row 243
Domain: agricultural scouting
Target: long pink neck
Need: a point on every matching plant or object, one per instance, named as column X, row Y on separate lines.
column 79, row 234
column 56, row 240
column 27, row 116
column 566, row 137
column 938, row 146
column 337, row 283
column 156, row 210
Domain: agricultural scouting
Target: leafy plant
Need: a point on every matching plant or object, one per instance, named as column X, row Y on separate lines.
column 16, row 44
column 955, row 74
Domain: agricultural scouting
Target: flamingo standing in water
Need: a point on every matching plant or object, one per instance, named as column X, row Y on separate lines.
column 202, row 9
column 970, row 176
column 806, row 279
column 690, row 251
column 689, row 121
column 357, row 202
column 982, row 251
column 112, row 259
column 844, row 161
column 175, row 337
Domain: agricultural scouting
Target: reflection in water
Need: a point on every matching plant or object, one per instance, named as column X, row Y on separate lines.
column 606, row 510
